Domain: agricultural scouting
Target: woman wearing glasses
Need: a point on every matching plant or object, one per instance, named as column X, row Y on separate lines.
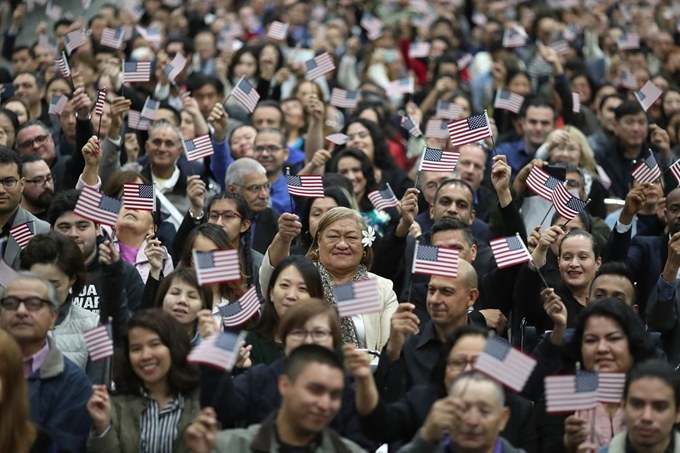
column 399, row 421
column 251, row 396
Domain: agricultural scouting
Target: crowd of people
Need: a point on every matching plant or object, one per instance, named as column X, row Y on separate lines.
column 598, row 294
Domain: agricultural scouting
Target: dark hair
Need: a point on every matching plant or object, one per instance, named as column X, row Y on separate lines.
column 583, row 216
column 628, row 108
column 604, row 100
column 298, row 315
column 188, row 276
column 231, row 290
column 382, row 158
column 12, row 117
column 381, row 110
column 237, row 58
column 307, row 354
column 654, row 369
column 182, row 377
column 62, row 202
column 30, row 123
column 176, row 115
column 55, row 248
column 585, row 234
column 439, row 371
column 187, row 45
column 453, row 224
column 616, row 268
column 269, row 103
column 331, row 192
column 197, row 81
column 537, row 102
column 114, row 186
column 618, row 311
column 23, row 47
column 61, row 23
column 366, row 168
column 455, row 182
column 337, row 181
column 244, row 248
column 269, row 321
column 9, row 157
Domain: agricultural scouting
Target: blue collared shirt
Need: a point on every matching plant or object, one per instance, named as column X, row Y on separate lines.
column 281, row 200
column 516, row 154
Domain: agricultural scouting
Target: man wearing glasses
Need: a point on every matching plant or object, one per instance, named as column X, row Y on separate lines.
column 58, row 389
column 12, row 185
column 248, row 178
column 271, row 152
column 39, row 187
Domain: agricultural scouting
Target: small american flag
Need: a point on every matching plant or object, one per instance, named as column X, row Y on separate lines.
column 278, row 31
column 198, row 147
column 431, row 260
column 135, row 121
column 629, row 41
column 128, row 31
column 571, row 32
column 401, row 86
column 438, row 160
column 225, row 43
column 99, row 104
column 561, row 46
column 62, row 65
column 338, row 138
column 648, row 94
column 507, row 365
column 246, row 94
column 306, row 186
column 152, row 35
column 319, row 66
column 344, row 99
column 232, row 31
column 139, row 196
column 647, row 170
column 112, row 37
column 46, row 42
column 567, row 205
column 610, row 387
column 508, row 101
column 97, row 207
column 411, row 126
column 7, row 274
column 571, row 393
column 448, row 110
column 150, row 109
column 675, row 169
column 57, row 104
column 220, row 350
column 576, row 102
column 241, row 310
column 99, row 342
column 217, row 266
column 357, row 298
column 541, row 183
column 514, row 37
column 53, row 12
column 437, row 128
column 509, row 251
column 419, row 50
column 136, row 71
column 22, row 234
column 628, row 80
column 464, row 61
column 175, row 67
column 603, row 177
column 74, row 40
column 469, row 130
column 383, row 199
column 372, row 25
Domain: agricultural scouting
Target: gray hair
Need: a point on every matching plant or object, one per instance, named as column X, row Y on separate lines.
column 163, row 124
column 282, row 136
column 51, row 292
column 237, row 171
column 479, row 377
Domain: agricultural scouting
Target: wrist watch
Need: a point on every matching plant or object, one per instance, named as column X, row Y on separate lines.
column 89, row 116
column 197, row 218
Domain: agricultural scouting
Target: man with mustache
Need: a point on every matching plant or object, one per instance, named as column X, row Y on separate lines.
column 39, row 188
column 469, row 420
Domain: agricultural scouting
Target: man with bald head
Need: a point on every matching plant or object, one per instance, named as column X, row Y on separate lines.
column 413, row 348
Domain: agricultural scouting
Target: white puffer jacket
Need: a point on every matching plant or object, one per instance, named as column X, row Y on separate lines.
column 68, row 335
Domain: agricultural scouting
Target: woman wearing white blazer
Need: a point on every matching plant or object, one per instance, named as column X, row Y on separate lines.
column 342, row 252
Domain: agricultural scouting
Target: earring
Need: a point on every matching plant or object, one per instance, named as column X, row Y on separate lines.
column 365, row 253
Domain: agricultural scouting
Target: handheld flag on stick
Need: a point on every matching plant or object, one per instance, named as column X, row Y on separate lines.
column 240, row 311
column 245, row 93
column 509, row 251
column 344, row 99
column 431, row 260
column 7, row 274
column 647, row 170
column 306, row 186
column 198, row 147
column 220, row 350
column 438, row 160
column 571, row 393
column 541, row 183
column 99, row 342
column 469, row 130
column 507, row 365
column 217, row 266
column 97, row 207
column 357, row 298
column 383, row 199
column 22, row 233
column 139, row 196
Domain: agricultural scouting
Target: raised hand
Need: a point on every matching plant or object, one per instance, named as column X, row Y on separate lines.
column 357, row 362
column 289, row 227
column 108, row 253
column 200, row 436
column 403, row 323
column 99, row 407
column 196, row 191
column 91, row 152
column 154, row 253
column 219, row 119
column 635, row 200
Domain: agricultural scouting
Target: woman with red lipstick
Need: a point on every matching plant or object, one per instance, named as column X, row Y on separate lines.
column 609, row 338
column 156, row 394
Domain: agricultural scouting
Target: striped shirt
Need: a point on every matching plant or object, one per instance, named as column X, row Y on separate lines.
column 158, row 429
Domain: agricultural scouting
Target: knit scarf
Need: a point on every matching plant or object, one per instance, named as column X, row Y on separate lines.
column 349, row 331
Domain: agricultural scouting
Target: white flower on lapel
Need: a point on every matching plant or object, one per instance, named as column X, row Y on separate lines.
column 368, row 236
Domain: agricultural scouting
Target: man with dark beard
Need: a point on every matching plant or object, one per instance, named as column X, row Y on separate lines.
column 39, row 188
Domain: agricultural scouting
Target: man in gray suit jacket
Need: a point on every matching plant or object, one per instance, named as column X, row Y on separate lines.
column 11, row 214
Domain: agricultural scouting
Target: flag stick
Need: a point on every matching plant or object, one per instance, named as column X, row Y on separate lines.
column 99, row 128
column 540, row 274
column 546, row 215
column 415, row 186
column 493, row 143
column 110, row 376
column 292, row 210
column 565, row 223
column 70, row 73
